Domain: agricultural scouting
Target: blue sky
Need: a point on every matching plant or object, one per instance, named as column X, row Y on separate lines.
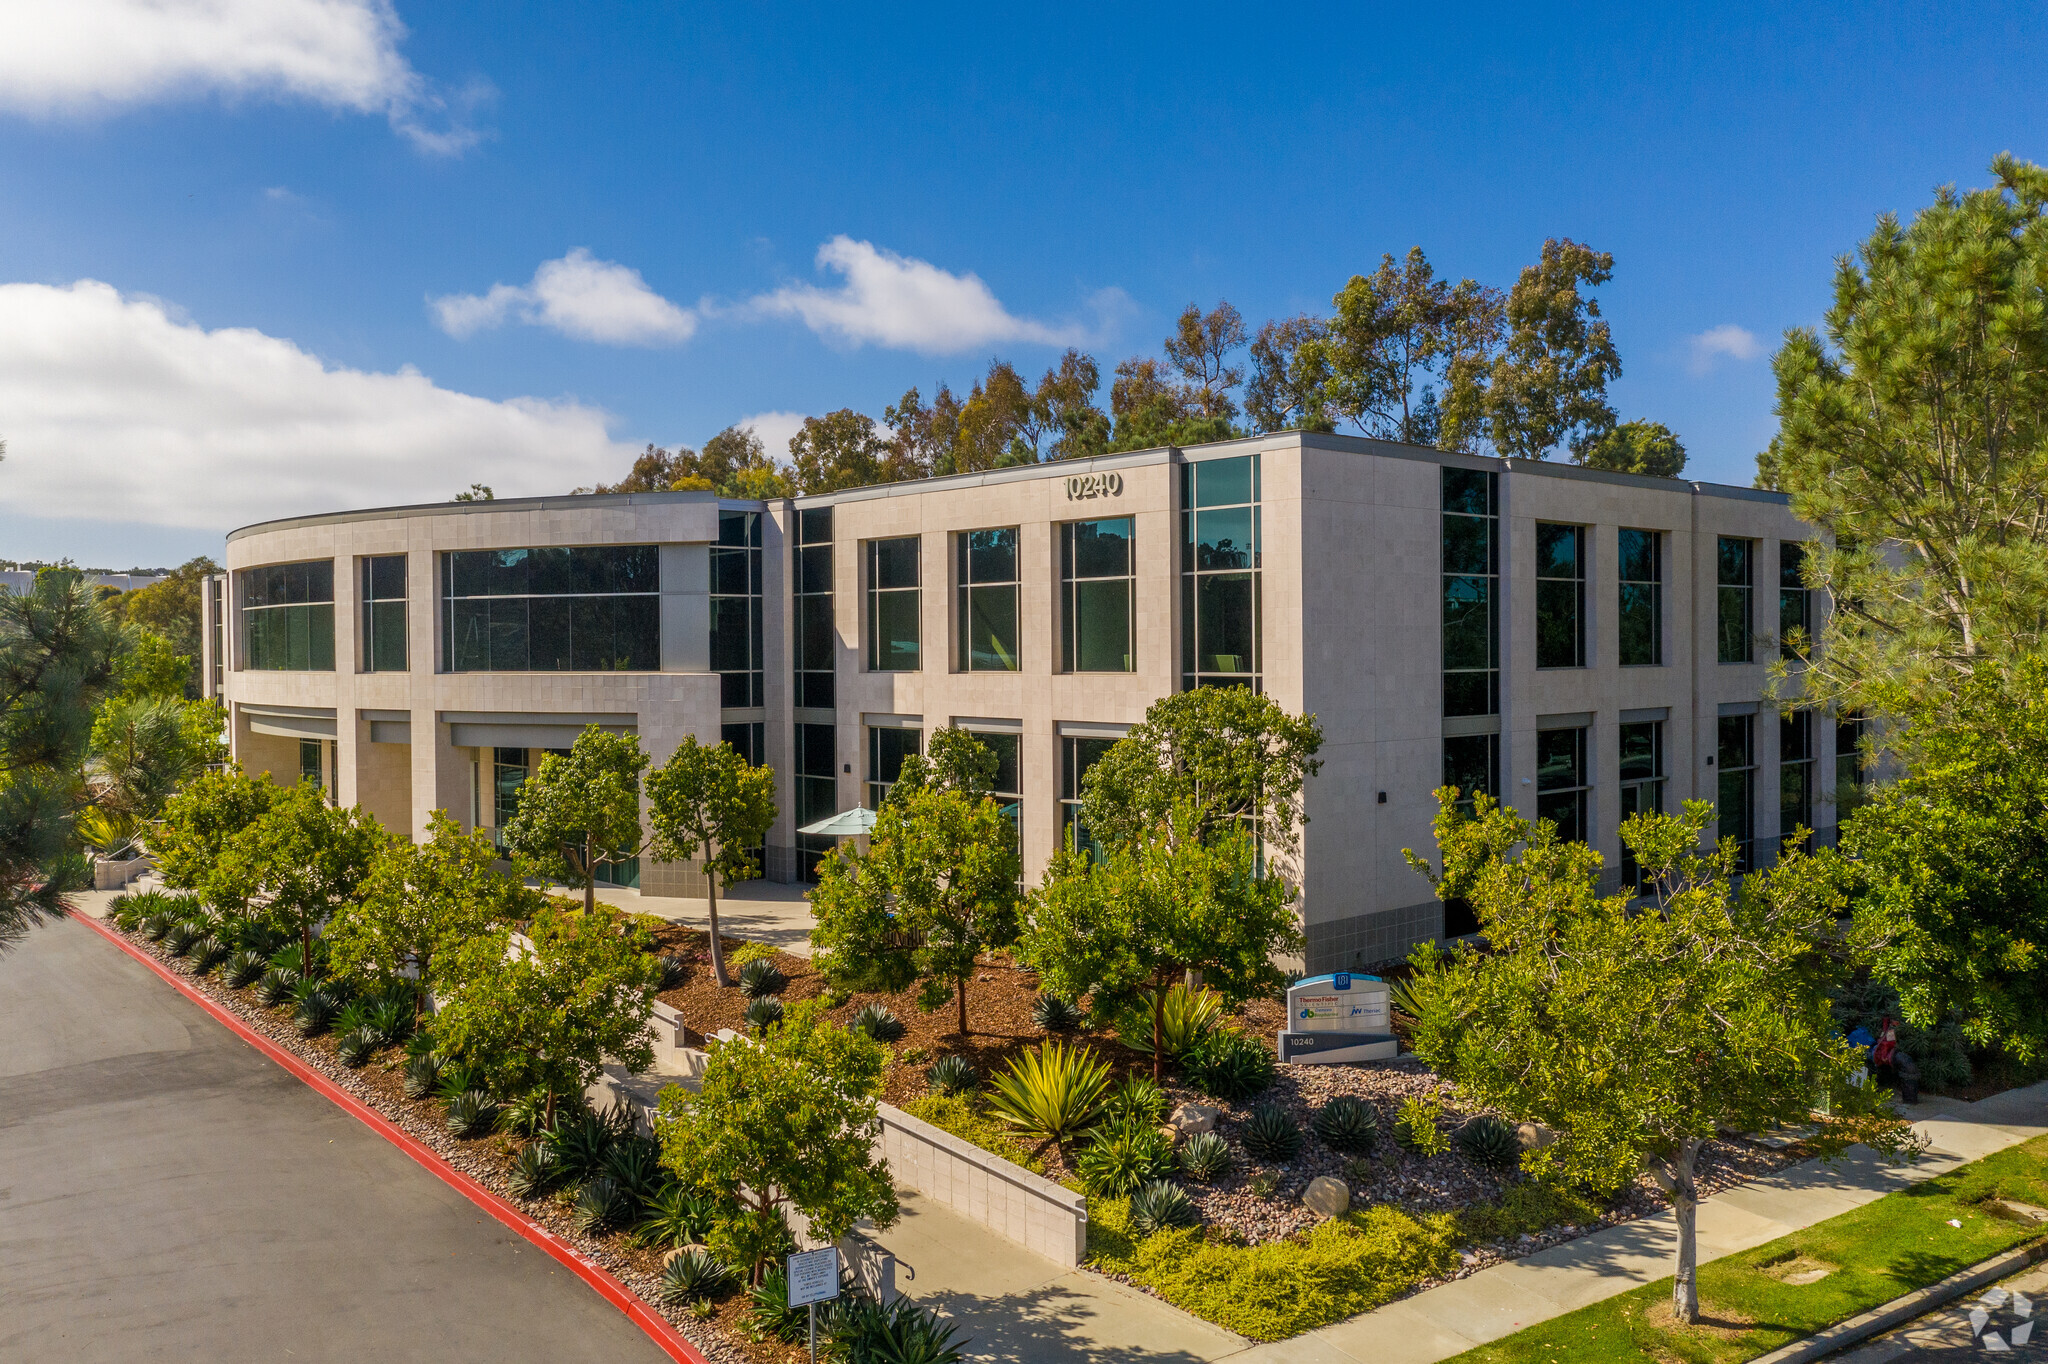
column 222, row 233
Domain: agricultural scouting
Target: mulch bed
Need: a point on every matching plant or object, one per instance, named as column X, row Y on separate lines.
column 381, row 1085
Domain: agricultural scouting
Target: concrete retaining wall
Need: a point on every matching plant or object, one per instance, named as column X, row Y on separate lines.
column 1007, row 1199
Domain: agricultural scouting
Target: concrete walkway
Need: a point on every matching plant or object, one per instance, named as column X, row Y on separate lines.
column 758, row 911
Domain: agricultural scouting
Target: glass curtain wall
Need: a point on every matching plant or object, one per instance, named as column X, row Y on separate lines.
column 987, row 571
column 1642, row 782
column 555, row 609
column 1795, row 603
column 1641, row 613
column 1736, row 754
column 815, row 631
column 384, row 614
column 817, row 790
column 1734, row 563
column 1560, row 596
column 1077, row 755
column 736, row 610
column 893, row 605
column 1220, row 550
column 1561, row 786
column 1795, row 772
column 1097, row 586
column 288, row 617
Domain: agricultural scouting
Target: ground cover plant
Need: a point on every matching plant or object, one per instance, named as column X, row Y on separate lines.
column 1758, row 1300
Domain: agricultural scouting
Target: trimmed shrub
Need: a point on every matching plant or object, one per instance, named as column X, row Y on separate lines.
column 748, row 952
column 692, row 1275
column 1124, row 1156
column 1415, row 1129
column 601, row 1206
column 470, row 1113
column 952, row 1075
column 357, row 1046
column 877, row 1022
column 534, row 1170
column 759, row 979
column 1491, row 1142
column 1271, row 1134
column 1347, row 1123
column 1052, row 1013
column 957, row 1114
column 1231, row 1066
column 1204, row 1156
column 1162, row 1206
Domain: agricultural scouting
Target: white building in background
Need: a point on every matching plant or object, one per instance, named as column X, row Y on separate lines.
column 1583, row 644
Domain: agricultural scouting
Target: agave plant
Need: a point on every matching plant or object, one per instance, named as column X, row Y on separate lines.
column 1139, row 1096
column 279, row 985
column 764, row 1013
column 1185, row 1018
column 422, row 1075
column 357, row 1046
column 1491, row 1142
column 899, row 1332
column 877, row 1022
column 635, row 1164
column 470, row 1113
column 179, row 939
column 674, row 971
column 356, row 1015
column 393, row 1016
column 1055, row 1013
column 601, row 1206
column 316, row 1011
column 769, row 1315
column 1230, row 1066
column 457, row 1078
column 1270, row 1133
column 580, row 1141
column 156, row 926
column 677, row 1217
column 525, row 1116
column 243, row 967
column 1123, row 1156
column 759, row 979
column 1161, row 1206
column 1204, row 1156
column 952, row 1075
column 691, row 1275
column 205, row 954
column 1053, row 1090
column 534, row 1170
column 1347, row 1123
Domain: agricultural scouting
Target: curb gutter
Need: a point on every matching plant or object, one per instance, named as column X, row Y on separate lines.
column 1899, row 1311
column 607, row 1286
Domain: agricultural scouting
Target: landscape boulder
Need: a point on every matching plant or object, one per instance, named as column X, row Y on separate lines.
column 1327, row 1196
column 1535, row 1136
column 1189, row 1119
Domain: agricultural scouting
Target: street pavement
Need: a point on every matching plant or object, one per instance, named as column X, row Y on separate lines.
column 168, row 1193
column 2001, row 1322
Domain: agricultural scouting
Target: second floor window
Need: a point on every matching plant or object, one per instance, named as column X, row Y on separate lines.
column 1795, row 603
column 288, row 617
column 1560, row 596
column 987, row 571
column 384, row 614
column 736, row 645
column 1736, row 622
column 893, row 605
column 1095, row 596
column 578, row 608
column 1641, row 562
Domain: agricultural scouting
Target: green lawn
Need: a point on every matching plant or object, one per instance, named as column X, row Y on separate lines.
column 1876, row 1253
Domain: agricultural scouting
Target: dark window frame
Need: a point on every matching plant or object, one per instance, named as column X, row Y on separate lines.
column 1735, row 599
column 736, row 611
column 1565, row 798
column 384, row 613
column 814, row 629
column 983, row 597
column 1735, row 737
column 1083, row 594
column 1469, row 558
column 1560, row 598
column 286, row 616
column 593, row 600
column 1639, row 782
column 1222, row 577
column 1639, row 601
column 893, row 597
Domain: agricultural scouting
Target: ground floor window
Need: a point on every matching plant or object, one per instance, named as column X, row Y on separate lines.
column 1642, row 783
column 1735, row 752
column 1562, row 792
column 816, row 765
column 1472, row 764
column 887, row 748
column 1077, row 755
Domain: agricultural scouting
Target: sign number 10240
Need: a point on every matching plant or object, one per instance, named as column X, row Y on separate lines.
column 1084, row 486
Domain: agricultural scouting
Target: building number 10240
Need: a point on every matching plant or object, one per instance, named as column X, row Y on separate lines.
column 1081, row 487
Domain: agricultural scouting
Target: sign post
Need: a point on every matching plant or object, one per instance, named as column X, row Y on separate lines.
column 813, row 1278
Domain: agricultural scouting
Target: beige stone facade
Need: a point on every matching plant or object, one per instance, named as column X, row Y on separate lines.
column 1350, row 626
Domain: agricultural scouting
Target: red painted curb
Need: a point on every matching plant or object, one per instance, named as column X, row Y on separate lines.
column 608, row 1287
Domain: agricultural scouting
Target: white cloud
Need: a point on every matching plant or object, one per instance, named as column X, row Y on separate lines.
column 775, row 429
column 1715, row 344
column 116, row 410
column 68, row 57
column 908, row 304
column 578, row 296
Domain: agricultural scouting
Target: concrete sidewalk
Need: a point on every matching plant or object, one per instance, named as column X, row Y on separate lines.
column 1498, row 1301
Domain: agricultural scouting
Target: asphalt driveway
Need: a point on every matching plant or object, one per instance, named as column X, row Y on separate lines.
column 166, row 1192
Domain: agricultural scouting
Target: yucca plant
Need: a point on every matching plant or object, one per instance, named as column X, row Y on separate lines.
column 1052, row 1090
column 243, row 967
column 178, row 941
column 759, row 979
column 1270, row 1133
column 692, row 1275
column 534, row 1170
column 1415, row 1128
column 601, row 1206
column 1054, row 1013
column 470, row 1113
column 769, row 1315
column 764, row 1013
column 877, row 1022
column 1230, row 1066
column 675, row 1216
column 1204, row 1156
column 1491, row 1142
column 1347, row 1123
column 357, row 1046
column 279, row 985
column 1123, row 1156
column 952, row 1075
column 316, row 1011
column 1161, row 1206
column 1184, row 1019
column 205, row 954
column 1139, row 1096
column 635, row 1164
column 422, row 1075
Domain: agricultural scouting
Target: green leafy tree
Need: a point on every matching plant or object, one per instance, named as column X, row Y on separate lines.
column 547, row 1016
column 197, row 825
column 955, row 761
column 1947, row 866
column 151, row 666
column 1913, row 431
column 1547, row 386
column 476, row 492
column 1156, row 908
column 144, row 747
column 304, row 859
column 1635, row 448
column 1396, row 332
column 57, row 651
column 836, row 451
column 1232, row 754
column 1152, row 407
column 170, row 610
column 581, row 811
column 708, row 799
column 788, row 1119
column 936, row 889
column 1638, row 1032
column 1066, row 403
column 422, row 899
column 1289, row 388
column 1200, row 351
